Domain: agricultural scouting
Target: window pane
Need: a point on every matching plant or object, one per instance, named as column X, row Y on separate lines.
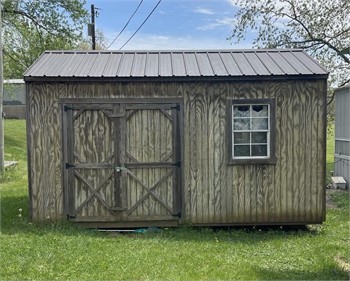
column 259, row 111
column 259, row 150
column 241, row 124
column 241, row 138
column 260, row 137
column 260, row 123
column 241, row 150
column 241, row 111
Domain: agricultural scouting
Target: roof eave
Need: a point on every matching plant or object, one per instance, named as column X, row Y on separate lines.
column 177, row 78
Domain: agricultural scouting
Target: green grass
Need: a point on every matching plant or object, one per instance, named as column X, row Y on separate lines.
column 330, row 152
column 60, row 251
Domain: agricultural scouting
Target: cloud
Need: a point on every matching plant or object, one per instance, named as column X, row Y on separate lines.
column 239, row 4
column 226, row 21
column 160, row 42
column 203, row 11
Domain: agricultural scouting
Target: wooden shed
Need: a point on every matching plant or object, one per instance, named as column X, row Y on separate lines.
column 342, row 133
column 163, row 138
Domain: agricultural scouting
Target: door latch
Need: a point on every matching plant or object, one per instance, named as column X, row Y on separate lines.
column 119, row 169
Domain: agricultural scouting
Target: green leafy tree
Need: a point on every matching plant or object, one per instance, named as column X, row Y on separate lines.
column 32, row 26
column 321, row 27
column 28, row 27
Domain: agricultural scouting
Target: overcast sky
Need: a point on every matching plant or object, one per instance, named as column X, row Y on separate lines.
column 175, row 24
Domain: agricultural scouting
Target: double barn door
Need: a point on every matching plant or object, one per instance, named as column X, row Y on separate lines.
column 122, row 160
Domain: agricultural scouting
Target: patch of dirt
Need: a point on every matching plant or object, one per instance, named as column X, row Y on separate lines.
column 343, row 264
column 329, row 202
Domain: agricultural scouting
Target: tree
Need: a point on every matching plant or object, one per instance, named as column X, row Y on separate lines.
column 101, row 42
column 321, row 27
column 28, row 27
column 2, row 152
column 33, row 26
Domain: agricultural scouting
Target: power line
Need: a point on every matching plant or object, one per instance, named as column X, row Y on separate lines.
column 155, row 7
column 125, row 25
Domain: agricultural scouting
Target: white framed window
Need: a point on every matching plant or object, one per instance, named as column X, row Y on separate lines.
column 251, row 131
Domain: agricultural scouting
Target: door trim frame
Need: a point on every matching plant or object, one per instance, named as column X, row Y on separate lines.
column 167, row 101
column 130, row 103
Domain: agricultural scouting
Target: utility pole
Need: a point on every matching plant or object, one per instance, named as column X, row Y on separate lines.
column 93, row 35
column 2, row 150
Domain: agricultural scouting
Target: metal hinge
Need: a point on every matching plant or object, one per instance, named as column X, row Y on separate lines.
column 178, row 164
column 69, row 165
column 177, row 107
column 70, row 217
column 66, row 108
column 177, row 215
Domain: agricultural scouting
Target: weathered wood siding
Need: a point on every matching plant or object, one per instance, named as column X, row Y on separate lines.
column 291, row 191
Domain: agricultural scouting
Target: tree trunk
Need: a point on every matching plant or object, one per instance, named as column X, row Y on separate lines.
column 2, row 152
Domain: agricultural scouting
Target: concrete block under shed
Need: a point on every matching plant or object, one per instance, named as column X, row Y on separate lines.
column 338, row 182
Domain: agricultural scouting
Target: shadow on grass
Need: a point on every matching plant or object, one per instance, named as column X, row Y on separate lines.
column 327, row 273
column 15, row 221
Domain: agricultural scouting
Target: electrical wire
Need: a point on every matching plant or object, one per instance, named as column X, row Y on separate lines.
column 125, row 25
column 155, row 7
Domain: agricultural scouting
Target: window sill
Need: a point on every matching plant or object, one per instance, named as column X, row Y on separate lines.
column 269, row 161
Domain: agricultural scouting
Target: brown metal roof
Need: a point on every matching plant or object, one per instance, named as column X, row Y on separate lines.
column 58, row 65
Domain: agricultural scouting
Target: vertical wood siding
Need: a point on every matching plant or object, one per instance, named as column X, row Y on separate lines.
column 291, row 191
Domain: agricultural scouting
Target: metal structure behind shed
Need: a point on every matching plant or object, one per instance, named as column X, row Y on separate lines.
column 342, row 133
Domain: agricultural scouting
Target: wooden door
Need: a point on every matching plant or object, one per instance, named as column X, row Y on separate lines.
column 122, row 161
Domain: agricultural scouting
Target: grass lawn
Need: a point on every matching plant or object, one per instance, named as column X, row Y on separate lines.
column 330, row 152
column 64, row 252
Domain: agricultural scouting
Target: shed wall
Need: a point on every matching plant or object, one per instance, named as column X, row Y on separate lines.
column 292, row 191
column 342, row 133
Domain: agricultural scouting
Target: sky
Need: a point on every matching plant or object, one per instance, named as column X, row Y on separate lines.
column 175, row 24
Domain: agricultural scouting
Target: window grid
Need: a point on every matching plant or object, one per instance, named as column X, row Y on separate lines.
column 250, row 131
